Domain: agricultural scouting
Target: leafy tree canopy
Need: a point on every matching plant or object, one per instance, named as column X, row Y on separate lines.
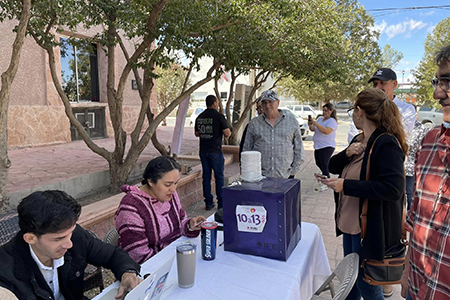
column 358, row 54
column 437, row 39
column 390, row 57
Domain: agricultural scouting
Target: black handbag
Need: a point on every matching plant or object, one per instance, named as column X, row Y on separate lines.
column 389, row 270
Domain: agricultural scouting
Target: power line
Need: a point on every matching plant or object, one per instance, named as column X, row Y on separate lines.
column 446, row 7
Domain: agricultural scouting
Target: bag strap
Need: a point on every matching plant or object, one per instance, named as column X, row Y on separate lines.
column 366, row 201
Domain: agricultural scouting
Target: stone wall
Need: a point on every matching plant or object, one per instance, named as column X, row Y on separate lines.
column 37, row 126
column 36, row 113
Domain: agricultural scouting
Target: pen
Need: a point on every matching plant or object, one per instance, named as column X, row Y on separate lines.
column 199, row 223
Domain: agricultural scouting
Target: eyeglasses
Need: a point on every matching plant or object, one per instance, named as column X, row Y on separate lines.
column 442, row 82
column 350, row 111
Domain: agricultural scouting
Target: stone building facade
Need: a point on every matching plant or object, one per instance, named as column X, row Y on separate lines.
column 36, row 115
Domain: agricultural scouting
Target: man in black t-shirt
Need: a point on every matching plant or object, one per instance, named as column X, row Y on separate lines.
column 210, row 125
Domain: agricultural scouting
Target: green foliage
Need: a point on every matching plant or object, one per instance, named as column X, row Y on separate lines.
column 169, row 84
column 353, row 54
column 390, row 57
column 426, row 69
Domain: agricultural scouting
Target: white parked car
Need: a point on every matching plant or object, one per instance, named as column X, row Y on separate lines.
column 304, row 110
column 304, row 129
column 197, row 111
column 430, row 116
column 343, row 105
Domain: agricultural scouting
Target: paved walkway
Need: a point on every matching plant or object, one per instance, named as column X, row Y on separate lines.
column 32, row 167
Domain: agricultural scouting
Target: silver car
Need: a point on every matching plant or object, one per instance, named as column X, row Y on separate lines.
column 430, row 116
column 304, row 129
column 304, row 110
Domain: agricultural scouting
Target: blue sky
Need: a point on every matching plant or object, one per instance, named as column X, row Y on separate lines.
column 406, row 30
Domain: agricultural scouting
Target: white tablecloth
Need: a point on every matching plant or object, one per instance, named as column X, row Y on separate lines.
column 239, row 276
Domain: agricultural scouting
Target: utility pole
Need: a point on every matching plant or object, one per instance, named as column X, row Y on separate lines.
column 403, row 79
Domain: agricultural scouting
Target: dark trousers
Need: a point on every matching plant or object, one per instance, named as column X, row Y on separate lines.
column 322, row 157
column 409, row 190
column 210, row 162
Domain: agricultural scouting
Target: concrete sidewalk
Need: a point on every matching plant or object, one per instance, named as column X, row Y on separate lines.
column 44, row 166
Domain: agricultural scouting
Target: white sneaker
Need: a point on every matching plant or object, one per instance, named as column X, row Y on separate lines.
column 322, row 187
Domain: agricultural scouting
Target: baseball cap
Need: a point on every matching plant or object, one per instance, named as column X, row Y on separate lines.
column 384, row 74
column 268, row 95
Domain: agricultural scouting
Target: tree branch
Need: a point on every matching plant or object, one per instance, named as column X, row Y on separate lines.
column 68, row 109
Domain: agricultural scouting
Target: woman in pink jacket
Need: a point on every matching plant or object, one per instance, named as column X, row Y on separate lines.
column 150, row 215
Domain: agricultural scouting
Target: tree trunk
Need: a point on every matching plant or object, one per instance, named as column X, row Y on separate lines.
column 160, row 147
column 263, row 75
column 5, row 92
column 119, row 174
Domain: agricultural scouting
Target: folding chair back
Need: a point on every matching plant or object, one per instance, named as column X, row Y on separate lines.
column 112, row 237
column 347, row 273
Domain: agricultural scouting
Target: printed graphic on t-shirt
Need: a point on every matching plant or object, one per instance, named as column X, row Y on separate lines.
column 205, row 128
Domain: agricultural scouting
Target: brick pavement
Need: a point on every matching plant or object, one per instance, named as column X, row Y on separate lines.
column 32, row 167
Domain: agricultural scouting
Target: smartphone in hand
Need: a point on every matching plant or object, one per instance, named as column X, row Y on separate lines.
column 320, row 176
column 309, row 118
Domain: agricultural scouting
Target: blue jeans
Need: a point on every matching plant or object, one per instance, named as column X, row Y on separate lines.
column 210, row 162
column 409, row 190
column 352, row 243
column 408, row 296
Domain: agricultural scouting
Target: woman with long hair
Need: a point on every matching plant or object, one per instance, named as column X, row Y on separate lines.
column 324, row 139
column 380, row 122
column 150, row 215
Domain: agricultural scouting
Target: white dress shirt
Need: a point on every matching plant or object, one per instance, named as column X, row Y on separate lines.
column 50, row 274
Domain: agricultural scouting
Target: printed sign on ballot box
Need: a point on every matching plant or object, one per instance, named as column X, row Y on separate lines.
column 262, row 218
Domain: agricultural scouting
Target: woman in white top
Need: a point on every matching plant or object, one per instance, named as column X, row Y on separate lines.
column 324, row 139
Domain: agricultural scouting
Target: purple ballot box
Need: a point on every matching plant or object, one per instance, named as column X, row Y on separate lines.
column 262, row 218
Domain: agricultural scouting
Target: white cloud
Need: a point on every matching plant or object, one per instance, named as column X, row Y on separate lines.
column 380, row 27
column 407, row 28
column 393, row 30
column 413, row 24
column 404, row 63
column 427, row 14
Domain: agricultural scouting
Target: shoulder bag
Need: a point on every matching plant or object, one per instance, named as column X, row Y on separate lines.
column 389, row 270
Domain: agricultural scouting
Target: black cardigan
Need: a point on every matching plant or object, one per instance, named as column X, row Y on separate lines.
column 384, row 190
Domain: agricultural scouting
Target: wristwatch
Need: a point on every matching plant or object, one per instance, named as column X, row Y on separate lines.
column 133, row 271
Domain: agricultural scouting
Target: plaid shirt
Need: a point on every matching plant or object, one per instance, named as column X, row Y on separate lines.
column 281, row 146
column 428, row 219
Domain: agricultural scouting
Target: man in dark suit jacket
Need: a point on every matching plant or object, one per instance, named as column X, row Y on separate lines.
column 47, row 258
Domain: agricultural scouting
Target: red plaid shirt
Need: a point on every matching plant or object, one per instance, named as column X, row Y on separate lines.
column 428, row 219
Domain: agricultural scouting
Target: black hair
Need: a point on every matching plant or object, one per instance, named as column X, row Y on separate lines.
column 330, row 107
column 210, row 99
column 47, row 212
column 158, row 167
column 443, row 53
